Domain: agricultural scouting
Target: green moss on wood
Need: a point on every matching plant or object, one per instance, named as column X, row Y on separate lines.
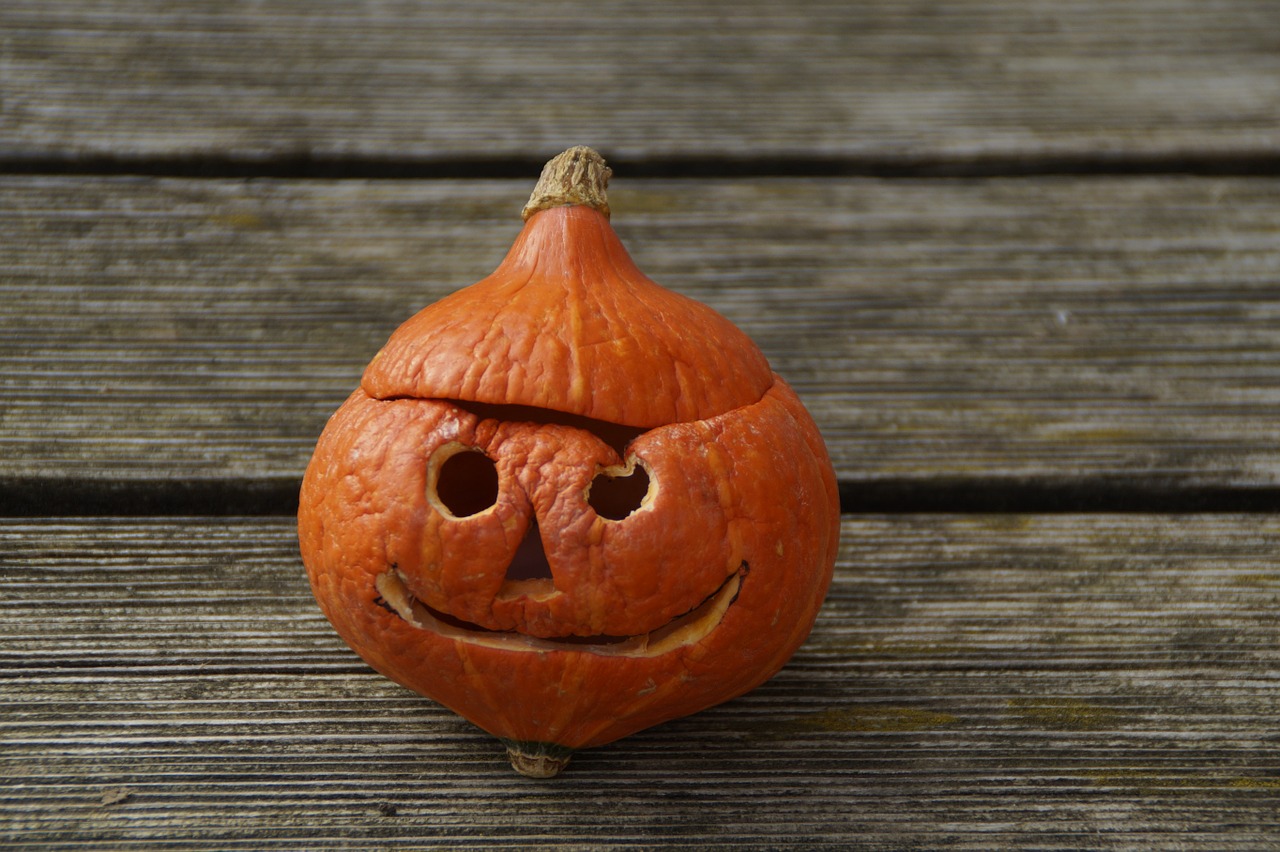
column 1062, row 714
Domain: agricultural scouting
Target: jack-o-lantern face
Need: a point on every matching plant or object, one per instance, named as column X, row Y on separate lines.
column 480, row 568
column 568, row 558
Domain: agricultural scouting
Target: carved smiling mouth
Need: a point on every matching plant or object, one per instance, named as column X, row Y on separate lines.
column 680, row 631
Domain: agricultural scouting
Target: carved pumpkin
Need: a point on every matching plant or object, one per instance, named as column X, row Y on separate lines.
column 567, row 503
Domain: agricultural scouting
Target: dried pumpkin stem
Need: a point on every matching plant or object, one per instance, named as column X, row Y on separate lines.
column 578, row 176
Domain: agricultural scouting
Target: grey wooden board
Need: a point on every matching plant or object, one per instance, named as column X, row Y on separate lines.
column 506, row 78
column 973, row 682
column 1055, row 330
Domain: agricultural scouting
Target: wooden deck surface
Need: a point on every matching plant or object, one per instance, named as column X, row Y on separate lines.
column 1020, row 259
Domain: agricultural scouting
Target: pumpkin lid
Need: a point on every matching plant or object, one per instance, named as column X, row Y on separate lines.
column 567, row 322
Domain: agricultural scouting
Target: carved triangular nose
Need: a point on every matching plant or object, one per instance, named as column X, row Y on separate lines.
column 530, row 562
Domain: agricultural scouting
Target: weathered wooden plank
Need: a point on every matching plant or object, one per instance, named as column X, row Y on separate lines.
column 434, row 81
column 1061, row 331
column 979, row 682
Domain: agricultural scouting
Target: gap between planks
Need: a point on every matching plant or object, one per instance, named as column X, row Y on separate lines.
column 1262, row 162
column 279, row 498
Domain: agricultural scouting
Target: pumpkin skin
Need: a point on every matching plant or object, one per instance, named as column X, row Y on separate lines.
column 569, row 370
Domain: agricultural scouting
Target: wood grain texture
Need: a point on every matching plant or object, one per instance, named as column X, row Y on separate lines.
column 1057, row 331
column 432, row 81
column 974, row 682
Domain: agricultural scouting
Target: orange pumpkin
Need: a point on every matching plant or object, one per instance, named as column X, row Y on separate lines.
column 567, row 503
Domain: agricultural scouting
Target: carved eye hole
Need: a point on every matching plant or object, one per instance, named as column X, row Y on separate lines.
column 462, row 481
column 617, row 492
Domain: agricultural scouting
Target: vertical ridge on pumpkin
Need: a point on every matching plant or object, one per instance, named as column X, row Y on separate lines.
column 579, row 386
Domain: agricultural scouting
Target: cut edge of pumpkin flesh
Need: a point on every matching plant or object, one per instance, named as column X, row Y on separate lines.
column 681, row 631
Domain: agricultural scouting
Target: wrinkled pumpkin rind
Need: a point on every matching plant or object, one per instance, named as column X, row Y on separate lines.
column 567, row 322
column 784, row 524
